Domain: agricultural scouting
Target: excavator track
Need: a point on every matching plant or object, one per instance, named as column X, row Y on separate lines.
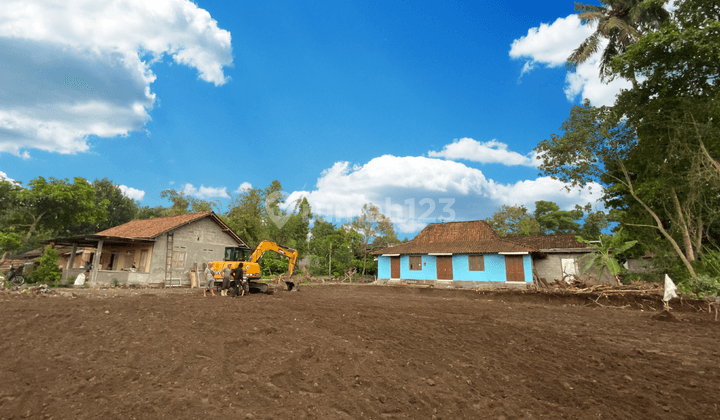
column 258, row 287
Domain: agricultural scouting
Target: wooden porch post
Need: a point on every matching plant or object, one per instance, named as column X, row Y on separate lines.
column 96, row 261
column 71, row 262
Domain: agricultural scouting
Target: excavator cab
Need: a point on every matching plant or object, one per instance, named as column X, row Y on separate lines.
column 237, row 254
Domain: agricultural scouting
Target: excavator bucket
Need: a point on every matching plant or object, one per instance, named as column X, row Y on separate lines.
column 291, row 286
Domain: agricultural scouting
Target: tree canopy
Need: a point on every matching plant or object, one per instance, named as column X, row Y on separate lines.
column 656, row 150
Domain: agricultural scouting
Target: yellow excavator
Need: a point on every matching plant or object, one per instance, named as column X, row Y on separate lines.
column 237, row 255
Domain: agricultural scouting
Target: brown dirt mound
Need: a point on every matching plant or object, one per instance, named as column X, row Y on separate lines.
column 334, row 352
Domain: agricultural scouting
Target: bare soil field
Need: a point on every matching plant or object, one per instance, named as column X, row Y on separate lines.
column 335, row 351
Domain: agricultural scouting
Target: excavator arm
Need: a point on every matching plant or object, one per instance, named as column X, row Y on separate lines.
column 266, row 246
column 291, row 254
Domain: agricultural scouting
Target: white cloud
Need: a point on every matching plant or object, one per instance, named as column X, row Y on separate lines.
column 133, row 193
column 245, row 186
column 492, row 151
column 585, row 81
column 4, row 177
column 551, row 45
column 414, row 191
column 204, row 192
column 75, row 68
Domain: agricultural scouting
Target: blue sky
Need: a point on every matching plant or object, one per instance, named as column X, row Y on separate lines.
column 422, row 108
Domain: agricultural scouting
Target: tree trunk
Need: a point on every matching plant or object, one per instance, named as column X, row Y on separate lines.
column 683, row 227
column 364, row 259
column 660, row 227
column 33, row 226
column 330, row 262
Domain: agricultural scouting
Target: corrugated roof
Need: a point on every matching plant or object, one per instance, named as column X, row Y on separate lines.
column 473, row 237
column 543, row 242
column 152, row 228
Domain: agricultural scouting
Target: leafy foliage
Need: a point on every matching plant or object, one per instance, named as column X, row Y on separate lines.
column 371, row 224
column 621, row 23
column 513, row 220
column 48, row 271
column 700, row 287
column 334, row 250
column 46, row 208
column 604, row 254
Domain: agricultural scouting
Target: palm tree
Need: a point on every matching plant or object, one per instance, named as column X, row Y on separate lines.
column 621, row 22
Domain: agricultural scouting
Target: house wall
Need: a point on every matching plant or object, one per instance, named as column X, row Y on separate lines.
column 640, row 265
column 550, row 268
column 200, row 241
column 494, row 273
column 383, row 267
column 127, row 255
column 428, row 272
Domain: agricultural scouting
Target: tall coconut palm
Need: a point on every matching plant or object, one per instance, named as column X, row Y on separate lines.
column 621, row 22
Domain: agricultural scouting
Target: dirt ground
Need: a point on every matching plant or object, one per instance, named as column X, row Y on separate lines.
column 334, row 352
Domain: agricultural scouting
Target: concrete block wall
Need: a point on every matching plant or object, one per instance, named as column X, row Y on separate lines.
column 201, row 241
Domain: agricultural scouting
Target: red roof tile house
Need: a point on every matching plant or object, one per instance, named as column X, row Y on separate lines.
column 466, row 254
column 154, row 251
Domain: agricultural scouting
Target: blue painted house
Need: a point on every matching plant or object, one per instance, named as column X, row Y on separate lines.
column 466, row 254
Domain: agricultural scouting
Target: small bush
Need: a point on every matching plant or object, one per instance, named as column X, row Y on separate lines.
column 48, row 271
column 704, row 286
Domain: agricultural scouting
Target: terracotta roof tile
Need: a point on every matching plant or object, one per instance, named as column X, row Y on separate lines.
column 457, row 238
column 548, row 241
column 151, row 228
column 476, row 230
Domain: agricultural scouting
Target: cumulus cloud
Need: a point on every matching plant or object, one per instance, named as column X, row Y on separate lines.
column 4, row 177
column 551, row 44
column 245, row 186
column 133, row 193
column 414, row 191
column 75, row 68
column 204, row 192
column 585, row 81
column 492, row 151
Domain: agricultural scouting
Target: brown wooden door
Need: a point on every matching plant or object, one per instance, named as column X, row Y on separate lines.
column 394, row 267
column 514, row 269
column 444, row 268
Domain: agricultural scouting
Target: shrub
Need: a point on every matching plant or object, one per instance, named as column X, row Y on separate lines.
column 704, row 286
column 48, row 271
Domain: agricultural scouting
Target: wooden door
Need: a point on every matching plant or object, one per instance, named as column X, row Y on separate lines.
column 514, row 269
column 444, row 268
column 394, row 267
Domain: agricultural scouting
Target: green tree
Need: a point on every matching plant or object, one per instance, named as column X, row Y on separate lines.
column 257, row 215
column 184, row 204
column 552, row 220
column 48, row 271
column 120, row 209
column 332, row 249
column 513, row 220
column 621, row 23
column 47, row 207
column 596, row 147
column 147, row 212
column 10, row 239
column 595, row 223
column 371, row 224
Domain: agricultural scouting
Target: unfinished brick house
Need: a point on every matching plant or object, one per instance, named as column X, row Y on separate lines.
column 457, row 254
column 159, row 251
column 560, row 257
